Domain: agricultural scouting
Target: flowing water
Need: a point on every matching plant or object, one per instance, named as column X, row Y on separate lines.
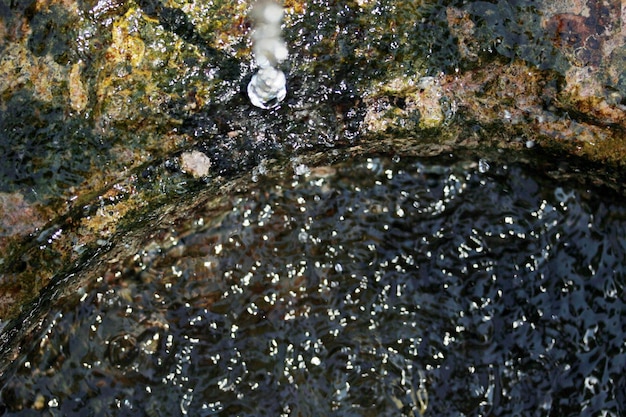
column 267, row 88
column 379, row 287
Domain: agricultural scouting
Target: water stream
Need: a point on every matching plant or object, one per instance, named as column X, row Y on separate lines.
column 452, row 286
column 268, row 87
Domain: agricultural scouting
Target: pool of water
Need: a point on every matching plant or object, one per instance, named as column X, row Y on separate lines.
column 379, row 287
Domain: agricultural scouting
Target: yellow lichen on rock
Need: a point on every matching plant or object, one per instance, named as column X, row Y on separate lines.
column 79, row 97
column 126, row 46
column 15, row 66
column 222, row 24
column 45, row 75
column 585, row 93
column 427, row 100
column 406, row 103
column 20, row 68
column 113, row 206
column 126, row 79
column 3, row 32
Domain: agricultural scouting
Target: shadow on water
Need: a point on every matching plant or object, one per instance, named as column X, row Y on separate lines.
column 379, row 286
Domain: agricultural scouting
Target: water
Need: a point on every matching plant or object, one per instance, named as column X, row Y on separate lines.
column 378, row 287
column 267, row 88
column 471, row 286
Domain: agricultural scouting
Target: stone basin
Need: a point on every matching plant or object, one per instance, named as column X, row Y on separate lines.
column 430, row 223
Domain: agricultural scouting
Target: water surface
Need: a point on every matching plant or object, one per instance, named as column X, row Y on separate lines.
column 382, row 287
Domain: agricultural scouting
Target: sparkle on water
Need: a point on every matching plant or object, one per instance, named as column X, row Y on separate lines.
column 381, row 288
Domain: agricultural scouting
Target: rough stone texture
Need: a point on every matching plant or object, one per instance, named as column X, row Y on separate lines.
column 17, row 216
column 99, row 100
column 196, row 163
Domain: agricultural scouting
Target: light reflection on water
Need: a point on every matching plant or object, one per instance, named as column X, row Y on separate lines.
column 383, row 288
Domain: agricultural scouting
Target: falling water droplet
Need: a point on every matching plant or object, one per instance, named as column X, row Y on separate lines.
column 483, row 166
column 268, row 86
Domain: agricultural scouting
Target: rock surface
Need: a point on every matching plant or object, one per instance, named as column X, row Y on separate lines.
column 102, row 103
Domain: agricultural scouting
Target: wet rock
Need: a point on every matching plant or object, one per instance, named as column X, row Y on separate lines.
column 196, row 163
column 582, row 28
column 407, row 104
column 17, row 216
column 587, row 95
column 462, row 27
column 123, row 87
column 79, row 98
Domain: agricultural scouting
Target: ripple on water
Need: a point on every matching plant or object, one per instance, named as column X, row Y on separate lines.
column 380, row 288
